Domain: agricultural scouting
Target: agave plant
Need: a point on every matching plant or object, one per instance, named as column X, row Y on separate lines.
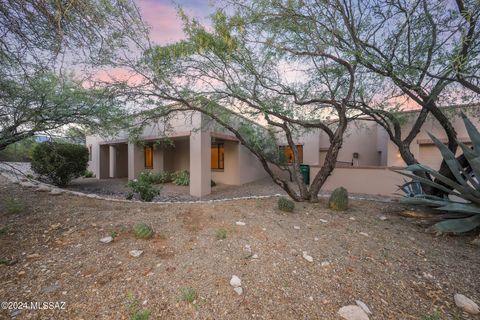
column 461, row 203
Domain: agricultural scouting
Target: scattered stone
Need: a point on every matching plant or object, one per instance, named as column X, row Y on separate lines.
column 466, row 304
column 427, row 275
column 352, row 313
column 364, row 234
column 106, row 239
column 316, row 239
column 235, row 282
column 238, row 290
column 264, row 229
column 56, row 192
column 296, row 227
column 325, row 263
column 21, row 273
column 240, row 223
column 383, row 218
column 352, row 218
column 323, row 220
column 247, row 248
column 43, row 189
column 310, row 298
column 27, row 184
column 136, row 253
column 255, row 256
column 476, row 241
column 307, row 257
column 50, row 289
column 363, row 305
column 33, row 256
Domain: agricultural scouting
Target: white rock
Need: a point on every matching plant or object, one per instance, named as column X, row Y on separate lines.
column 325, row 263
column 352, row 313
column 43, row 189
column 383, row 218
column 255, row 256
column 136, row 253
column 238, row 290
column 310, row 298
column 316, row 239
column 56, row 192
column 307, row 257
column 364, row 234
column 247, row 248
column 240, row 223
column 106, row 239
column 352, row 218
column 364, row 307
column 466, row 304
column 27, row 184
column 235, row 282
column 296, row 227
column 323, row 220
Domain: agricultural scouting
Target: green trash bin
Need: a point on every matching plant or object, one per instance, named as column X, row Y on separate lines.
column 305, row 170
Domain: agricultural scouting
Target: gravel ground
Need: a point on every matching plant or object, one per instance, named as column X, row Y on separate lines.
column 51, row 252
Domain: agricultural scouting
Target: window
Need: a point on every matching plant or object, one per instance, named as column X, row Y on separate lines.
column 90, row 153
column 217, row 155
column 288, row 152
column 148, row 157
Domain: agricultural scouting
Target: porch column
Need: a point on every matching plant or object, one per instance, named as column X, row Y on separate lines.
column 104, row 162
column 136, row 161
column 113, row 161
column 200, row 173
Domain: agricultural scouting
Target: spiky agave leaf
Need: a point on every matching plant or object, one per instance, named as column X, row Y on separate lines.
column 458, row 225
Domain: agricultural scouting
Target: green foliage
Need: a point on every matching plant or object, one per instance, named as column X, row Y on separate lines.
column 19, row 151
column 59, row 162
column 143, row 187
column 432, row 316
column 3, row 231
column 143, row 231
column 463, row 215
column 88, row 174
column 285, row 204
column 221, row 234
column 189, row 295
column 338, row 199
column 136, row 313
column 12, row 205
column 155, row 177
column 181, row 178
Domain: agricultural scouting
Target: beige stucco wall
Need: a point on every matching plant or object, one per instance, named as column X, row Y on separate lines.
column 366, row 180
column 424, row 152
column 177, row 157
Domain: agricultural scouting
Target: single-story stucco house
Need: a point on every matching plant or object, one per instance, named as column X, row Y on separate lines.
column 209, row 152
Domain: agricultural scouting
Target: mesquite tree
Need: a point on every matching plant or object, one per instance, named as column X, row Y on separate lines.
column 42, row 42
column 229, row 75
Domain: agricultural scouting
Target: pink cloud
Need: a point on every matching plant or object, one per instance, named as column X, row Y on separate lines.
column 166, row 26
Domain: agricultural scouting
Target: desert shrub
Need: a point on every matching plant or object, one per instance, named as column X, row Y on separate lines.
column 136, row 313
column 189, row 295
column 59, row 162
column 143, row 231
column 143, row 187
column 181, row 178
column 213, row 183
column 338, row 199
column 88, row 174
column 12, row 205
column 155, row 177
column 285, row 204
column 221, row 234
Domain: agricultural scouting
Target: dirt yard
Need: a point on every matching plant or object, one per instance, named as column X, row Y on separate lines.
column 50, row 252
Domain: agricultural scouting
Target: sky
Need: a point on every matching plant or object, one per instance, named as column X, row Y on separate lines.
column 162, row 17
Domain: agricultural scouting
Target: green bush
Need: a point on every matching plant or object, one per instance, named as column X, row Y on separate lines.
column 59, row 162
column 338, row 199
column 221, row 234
column 285, row 204
column 155, row 177
column 143, row 231
column 143, row 187
column 181, row 178
column 88, row 174
column 12, row 205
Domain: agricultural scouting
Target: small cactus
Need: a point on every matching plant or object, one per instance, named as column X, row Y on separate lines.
column 285, row 205
column 143, row 231
column 338, row 199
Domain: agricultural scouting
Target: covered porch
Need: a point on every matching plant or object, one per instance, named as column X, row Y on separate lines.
column 206, row 155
